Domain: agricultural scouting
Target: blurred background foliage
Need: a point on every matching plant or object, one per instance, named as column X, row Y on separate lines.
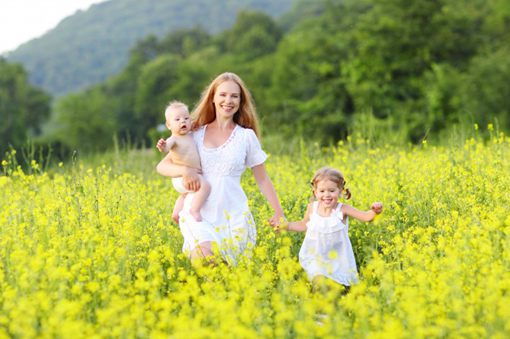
column 391, row 70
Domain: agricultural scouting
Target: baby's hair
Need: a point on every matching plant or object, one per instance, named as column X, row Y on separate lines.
column 328, row 173
column 174, row 105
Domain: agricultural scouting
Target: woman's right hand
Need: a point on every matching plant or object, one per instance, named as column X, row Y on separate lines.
column 191, row 179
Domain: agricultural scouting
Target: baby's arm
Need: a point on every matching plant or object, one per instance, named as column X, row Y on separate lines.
column 364, row 216
column 300, row 226
column 165, row 145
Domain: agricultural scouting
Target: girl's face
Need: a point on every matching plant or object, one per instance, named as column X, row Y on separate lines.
column 327, row 193
column 227, row 99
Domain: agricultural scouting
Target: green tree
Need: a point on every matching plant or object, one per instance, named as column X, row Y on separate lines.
column 253, row 34
column 184, row 42
column 309, row 91
column 394, row 46
column 156, row 78
column 83, row 122
column 486, row 89
column 23, row 108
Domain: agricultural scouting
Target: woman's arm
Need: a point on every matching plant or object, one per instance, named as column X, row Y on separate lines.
column 267, row 189
column 300, row 226
column 190, row 177
column 364, row 216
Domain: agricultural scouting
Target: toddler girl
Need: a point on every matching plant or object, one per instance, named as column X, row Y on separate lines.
column 326, row 251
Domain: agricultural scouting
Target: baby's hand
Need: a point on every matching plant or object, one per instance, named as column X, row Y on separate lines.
column 377, row 207
column 161, row 145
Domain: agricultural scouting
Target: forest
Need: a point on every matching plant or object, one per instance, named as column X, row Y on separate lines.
column 390, row 70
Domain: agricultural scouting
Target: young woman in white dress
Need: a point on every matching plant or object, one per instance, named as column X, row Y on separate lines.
column 326, row 251
column 226, row 133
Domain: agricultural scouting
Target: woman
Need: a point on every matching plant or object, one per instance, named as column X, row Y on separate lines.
column 225, row 131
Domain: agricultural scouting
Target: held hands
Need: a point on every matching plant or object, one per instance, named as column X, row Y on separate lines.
column 161, row 145
column 278, row 222
column 277, row 219
column 377, row 207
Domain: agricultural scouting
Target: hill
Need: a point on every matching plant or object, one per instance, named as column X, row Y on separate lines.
column 91, row 45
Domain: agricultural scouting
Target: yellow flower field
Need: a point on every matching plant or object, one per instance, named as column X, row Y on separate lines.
column 91, row 251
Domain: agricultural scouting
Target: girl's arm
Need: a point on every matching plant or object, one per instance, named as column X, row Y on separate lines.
column 364, row 216
column 267, row 189
column 190, row 176
column 300, row 226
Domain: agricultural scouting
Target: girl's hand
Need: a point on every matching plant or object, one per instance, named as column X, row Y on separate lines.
column 161, row 145
column 377, row 207
column 191, row 179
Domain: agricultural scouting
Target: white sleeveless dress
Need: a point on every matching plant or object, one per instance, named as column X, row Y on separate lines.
column 226, row 217
column 326, row 249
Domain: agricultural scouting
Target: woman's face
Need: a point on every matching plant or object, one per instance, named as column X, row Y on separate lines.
column 227, row 99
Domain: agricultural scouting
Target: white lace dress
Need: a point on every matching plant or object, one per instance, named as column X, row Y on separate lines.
column 226, row 217
column 327, row 249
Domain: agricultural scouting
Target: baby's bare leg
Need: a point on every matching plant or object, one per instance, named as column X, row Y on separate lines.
column 179, row 204
column 199, row 199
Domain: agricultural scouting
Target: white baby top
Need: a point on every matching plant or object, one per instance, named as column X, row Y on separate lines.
column 326, row 249
column 227, row 219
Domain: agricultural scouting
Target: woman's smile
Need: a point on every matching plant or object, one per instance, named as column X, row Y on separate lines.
column 227, row 99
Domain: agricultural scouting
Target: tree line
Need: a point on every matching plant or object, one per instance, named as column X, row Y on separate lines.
column 404, row 69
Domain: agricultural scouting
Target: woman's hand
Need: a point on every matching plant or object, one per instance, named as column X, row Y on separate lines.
column 377, row 207
column 191, row 179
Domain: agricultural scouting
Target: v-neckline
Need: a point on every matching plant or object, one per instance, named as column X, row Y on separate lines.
column 224, row 143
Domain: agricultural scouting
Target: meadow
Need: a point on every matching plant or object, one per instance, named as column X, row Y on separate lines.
column 88, row 249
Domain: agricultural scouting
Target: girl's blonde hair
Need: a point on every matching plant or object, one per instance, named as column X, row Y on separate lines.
column 205, row 112
column 328, row 173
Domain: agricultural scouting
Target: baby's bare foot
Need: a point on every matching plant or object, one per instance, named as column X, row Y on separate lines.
column 196, row 215
column 175, row 217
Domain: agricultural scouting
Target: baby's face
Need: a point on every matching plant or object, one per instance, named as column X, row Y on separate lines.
column 179, row 122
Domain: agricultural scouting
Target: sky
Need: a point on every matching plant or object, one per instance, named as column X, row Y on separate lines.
column 23, row 20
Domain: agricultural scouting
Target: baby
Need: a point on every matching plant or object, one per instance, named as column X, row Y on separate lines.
column 182, row 150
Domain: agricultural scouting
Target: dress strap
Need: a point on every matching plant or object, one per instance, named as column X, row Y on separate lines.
column 315, row 206
column 339, row 207
column 338, row 211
